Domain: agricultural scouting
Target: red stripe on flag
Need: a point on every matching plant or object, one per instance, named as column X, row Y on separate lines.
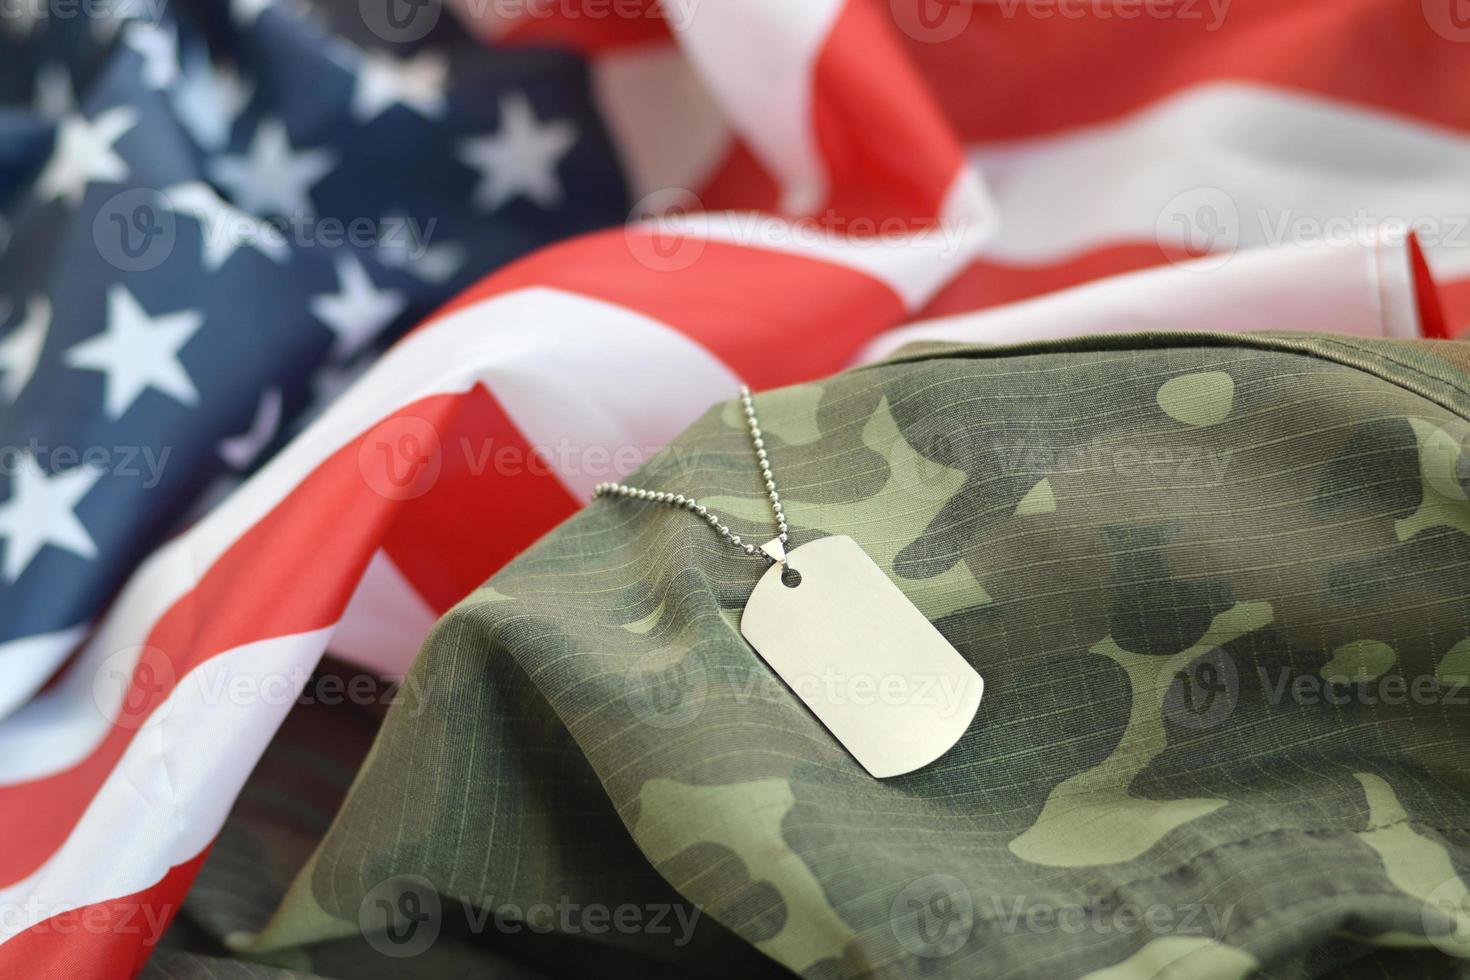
column 1442, row 306
column 1454, row 296
column 586, row 26
column 773, row 317
column 496, row 495
column 108, row 941
column 1427, row 297
column 740, row 183
column 983, row 284
column 1023, row 68
column 888, row 149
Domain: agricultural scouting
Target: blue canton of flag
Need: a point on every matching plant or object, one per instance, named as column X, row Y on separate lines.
column 225, row 211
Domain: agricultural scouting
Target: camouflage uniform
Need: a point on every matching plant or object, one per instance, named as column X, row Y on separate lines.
column 1219, row 591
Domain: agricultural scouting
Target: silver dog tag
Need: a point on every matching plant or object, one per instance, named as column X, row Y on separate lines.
column 867, row 663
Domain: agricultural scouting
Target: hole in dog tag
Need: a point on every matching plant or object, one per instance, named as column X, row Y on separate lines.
column 850, row 644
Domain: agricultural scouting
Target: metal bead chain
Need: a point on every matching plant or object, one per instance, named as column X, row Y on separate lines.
column 759, row 445
column 757, row 442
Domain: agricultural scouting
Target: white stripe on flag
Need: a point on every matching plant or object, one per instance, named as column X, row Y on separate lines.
column 662, row 117
column 759, row 58
column 385, row 621
column 1366, row 291
column 165, row 800
column 915, row 265
column 28, row 663
column 1260, row 165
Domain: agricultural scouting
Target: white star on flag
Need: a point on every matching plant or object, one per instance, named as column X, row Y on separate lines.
column 83, row 153
column 246, row 12
column 159, row 49
column 520, row 158
column 222, row 228
column 273, row 178
column 434, row 263
column 137, row 352
column 405, row 246
column 415, row 82
column 207, row 101
column 40, row 511
column 20, row 351
column 360, row 311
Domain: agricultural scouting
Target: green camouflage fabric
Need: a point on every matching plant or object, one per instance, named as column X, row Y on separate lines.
column 1219, row 591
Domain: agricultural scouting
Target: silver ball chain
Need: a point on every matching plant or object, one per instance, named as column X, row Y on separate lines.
column 694, row 507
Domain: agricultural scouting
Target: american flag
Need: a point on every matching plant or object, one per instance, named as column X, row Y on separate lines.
column 218, row 464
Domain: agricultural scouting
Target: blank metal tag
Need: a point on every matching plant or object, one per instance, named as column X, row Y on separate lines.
column 867, row 663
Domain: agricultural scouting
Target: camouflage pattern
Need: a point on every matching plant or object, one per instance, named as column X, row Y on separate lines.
column 1219, row 591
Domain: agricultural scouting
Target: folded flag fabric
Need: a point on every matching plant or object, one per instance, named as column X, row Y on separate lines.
column 1111, row 136
column 1216, row 587
column 213, row 218
column 894, row 187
